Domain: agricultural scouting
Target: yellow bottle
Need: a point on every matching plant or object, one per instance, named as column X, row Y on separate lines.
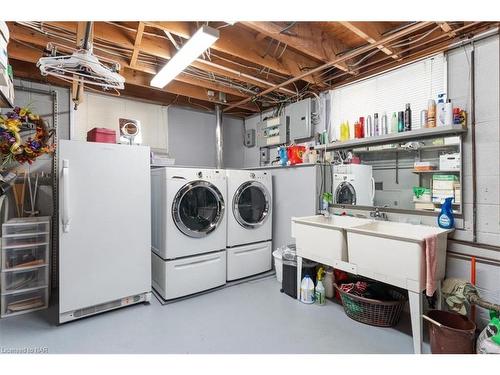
column 344, row 131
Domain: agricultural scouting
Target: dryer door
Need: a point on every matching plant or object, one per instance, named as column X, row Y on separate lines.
column 345, row 194
column 198, row 208
column 251, row 204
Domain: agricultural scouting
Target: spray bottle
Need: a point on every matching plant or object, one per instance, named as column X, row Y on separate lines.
column 319, row 291
column 445, row 218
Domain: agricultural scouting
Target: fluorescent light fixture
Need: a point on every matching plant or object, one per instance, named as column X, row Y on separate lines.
column 194, row 47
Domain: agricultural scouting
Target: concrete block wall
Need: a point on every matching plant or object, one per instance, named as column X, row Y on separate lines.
column 487, row 122
column 191, row 138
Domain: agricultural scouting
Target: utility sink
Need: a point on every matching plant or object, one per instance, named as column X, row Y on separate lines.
column 323, row 238
column 395, row 252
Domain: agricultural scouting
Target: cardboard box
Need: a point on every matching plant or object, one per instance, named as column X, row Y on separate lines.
column 102, row 135
column 450, row 162
column 444, row 182
column 424, row 166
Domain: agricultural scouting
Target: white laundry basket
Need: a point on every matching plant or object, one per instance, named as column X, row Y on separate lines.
column 278, row 263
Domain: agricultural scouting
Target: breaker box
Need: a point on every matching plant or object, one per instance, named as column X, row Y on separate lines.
column 300, row 114
column 273, row 131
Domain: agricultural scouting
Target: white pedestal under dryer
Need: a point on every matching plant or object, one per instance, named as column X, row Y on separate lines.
column 188, row 239
column 249, row 223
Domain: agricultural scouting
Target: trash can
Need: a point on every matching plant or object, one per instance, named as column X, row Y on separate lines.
column 278, row 263
column 451, row 333
column 289, row 283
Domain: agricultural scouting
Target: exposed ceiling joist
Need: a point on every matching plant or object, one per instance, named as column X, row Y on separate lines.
column 137, row 44
column 369, row 32
column 395, row 36
column 23, row 53
column 306, row 38
column 25, row 36
column 243, row 44
column 162, row 48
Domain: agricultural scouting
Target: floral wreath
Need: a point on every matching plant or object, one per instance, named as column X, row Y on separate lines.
column 12, row 147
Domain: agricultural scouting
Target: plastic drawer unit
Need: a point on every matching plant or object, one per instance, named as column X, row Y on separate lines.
column 24, row 265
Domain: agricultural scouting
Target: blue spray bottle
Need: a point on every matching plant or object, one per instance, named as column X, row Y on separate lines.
column 445, row 218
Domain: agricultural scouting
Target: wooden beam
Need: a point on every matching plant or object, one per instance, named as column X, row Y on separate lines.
column 158, row 47
column 27, row 70
column 369, row 32
column 23, row 53
column 393, row 37
column 306, row 38
column 445, row 26
column 242, row 43
column 41, row 41
column 137, row 44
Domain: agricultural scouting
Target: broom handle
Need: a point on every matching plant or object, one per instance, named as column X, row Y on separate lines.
column 431, row 320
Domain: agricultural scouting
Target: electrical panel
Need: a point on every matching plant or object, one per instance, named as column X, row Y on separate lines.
column 273, row 131
column 300, row 114
column 250, row 138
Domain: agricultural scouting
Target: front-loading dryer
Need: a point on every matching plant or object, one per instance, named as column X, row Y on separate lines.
column 249, row 222
column 188, row 234
column 353, row 184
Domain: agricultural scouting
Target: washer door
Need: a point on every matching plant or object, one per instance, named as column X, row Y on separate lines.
column 251, row 204
column 345, row 194
column 198, row 209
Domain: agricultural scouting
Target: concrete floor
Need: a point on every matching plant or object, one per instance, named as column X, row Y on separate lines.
column 253, row 317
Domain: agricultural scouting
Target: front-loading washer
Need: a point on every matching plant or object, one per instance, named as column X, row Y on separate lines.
column 188, row 208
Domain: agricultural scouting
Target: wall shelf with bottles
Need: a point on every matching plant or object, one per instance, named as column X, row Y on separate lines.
column 416, row 134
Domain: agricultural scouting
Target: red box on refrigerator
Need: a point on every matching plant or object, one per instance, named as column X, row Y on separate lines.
column 102, row 135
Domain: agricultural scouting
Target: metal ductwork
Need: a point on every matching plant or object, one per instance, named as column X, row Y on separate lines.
column 218, row 137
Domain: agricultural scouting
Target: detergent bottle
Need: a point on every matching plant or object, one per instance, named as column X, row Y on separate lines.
column 283, row 155
column 445, row 218
column 307, row 290
column 319, row 291
column 328, row 281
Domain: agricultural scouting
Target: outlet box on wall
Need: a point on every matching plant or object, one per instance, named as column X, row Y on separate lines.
column 250, row 138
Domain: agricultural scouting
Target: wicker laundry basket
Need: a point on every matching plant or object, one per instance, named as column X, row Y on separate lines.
column 371, row 311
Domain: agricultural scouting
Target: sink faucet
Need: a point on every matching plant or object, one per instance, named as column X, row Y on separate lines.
column 377, row 215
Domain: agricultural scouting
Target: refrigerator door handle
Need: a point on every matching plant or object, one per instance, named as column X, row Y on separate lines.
column 65, row 209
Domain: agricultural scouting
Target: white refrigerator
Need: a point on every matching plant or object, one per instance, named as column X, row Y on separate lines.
column 104, row 227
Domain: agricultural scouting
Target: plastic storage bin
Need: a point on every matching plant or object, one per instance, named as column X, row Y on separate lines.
column 18, row 280
column 17, row 227
column 25, row 240
column 24, row 257
column 19, row 303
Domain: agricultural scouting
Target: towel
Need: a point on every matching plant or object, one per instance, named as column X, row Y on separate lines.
column 430, row 265
column 457, row 294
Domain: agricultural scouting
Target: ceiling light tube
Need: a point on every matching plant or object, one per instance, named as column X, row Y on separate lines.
column 194, row 47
